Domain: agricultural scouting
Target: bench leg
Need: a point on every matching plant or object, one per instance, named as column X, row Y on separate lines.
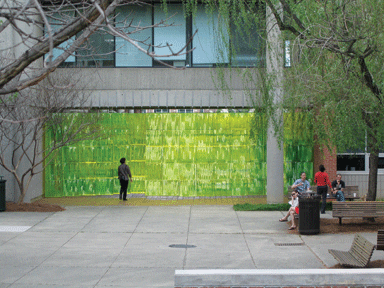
column 340, row 220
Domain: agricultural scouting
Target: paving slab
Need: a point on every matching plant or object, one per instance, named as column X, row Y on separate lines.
column 116, row 219
column 265, row 222
column 68, row 276
column 82, row 257
column 138, row 277
column 170, row 219
column 91, row 240
column 151, row 250
column 214, row 219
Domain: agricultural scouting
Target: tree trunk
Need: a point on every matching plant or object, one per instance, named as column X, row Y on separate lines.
column 373, row 169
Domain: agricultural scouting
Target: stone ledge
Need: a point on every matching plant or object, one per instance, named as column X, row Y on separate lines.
column 246, row 278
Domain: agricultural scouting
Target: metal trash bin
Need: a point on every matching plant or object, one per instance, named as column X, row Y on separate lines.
column 309, row 214
column 2, row 194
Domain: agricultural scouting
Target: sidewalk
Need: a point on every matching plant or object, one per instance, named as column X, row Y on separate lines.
column 125, row 246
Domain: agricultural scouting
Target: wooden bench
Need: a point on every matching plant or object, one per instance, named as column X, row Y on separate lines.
column 359, row 209
column 380, row 240
column 349, row 192
column 358, row 256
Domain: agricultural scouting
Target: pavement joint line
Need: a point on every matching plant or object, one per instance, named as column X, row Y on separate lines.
column 313, row 252
column 186, row 243
column 245, row 240
column 125, row 245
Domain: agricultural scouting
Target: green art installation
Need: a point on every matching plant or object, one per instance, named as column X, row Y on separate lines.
column 170, row 154
column 175, row 154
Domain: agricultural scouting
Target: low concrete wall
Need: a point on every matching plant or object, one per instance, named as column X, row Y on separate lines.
column 247, row 278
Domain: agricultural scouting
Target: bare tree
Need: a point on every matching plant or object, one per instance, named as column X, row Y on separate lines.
column 41, row 26
column 49, row 109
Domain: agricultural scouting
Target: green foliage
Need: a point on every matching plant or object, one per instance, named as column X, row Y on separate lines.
column 261, row 207
column 330, row 79
column 269, row 207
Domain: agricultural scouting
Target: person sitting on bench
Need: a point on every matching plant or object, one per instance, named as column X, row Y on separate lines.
column 338, row 186
column 293, row 210
column 301, row 185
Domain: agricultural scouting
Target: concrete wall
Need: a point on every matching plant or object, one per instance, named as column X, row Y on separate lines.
column 162, row 87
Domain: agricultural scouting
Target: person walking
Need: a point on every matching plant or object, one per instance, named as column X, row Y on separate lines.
column 322, row 180
column 124, row 174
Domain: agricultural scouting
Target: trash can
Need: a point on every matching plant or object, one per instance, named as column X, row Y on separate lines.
column 2, row 194
column 309, row 214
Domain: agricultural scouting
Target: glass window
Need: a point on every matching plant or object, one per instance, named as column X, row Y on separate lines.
column 351, row 162
column 57, row 21
column 381, row 162
column 246, row 43
column 287, row 53
column 209, row 49
column 175, row 35
column 128, row 55
column 98, row 51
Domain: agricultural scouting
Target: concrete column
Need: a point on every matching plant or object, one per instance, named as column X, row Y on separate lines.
column 275, row 155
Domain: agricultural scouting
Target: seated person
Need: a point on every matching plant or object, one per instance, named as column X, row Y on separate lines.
column 293, row 210
column 338, row 188
column 301, row 185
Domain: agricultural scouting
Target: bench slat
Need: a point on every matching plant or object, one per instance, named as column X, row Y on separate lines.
column 380, row 240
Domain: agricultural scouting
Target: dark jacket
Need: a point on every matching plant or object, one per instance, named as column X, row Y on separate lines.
column 123, row 172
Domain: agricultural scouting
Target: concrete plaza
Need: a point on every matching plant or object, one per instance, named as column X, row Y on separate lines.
column 126, row 246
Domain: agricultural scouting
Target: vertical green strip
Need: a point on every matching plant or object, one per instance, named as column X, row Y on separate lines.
column 298, row 147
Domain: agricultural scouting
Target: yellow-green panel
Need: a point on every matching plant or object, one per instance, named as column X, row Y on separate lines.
column 172, row 154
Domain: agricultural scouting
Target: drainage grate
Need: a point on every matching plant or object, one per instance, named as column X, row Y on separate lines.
column 289, row 244
column 181, row 246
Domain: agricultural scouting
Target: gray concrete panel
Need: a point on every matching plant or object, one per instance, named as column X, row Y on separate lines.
column 138, row 277
column 197, row 99
column 95, row 241
column 28, row 219
column 81, row 276
column 9, row 275
column 175, row 98
column 163, row 97
column 154, row 101
column 146, row 98
column 265, row 222
column 157, row 78
column 188, row 98
column 82, row 257
column 219, row 260
column 168, row 98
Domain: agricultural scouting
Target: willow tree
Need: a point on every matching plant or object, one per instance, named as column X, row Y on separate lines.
column 337, row 71
column 334, row 70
